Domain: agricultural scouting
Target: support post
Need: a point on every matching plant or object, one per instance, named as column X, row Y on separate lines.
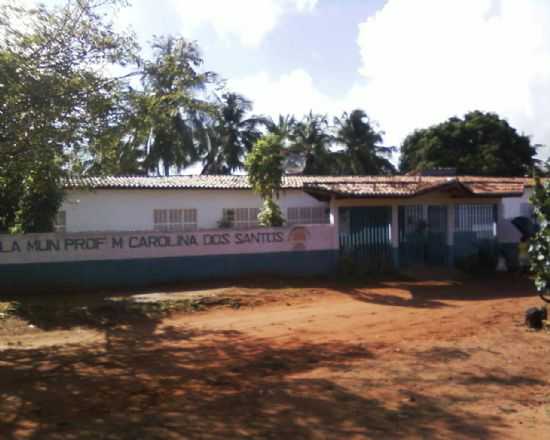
column 335, row 220
column 450, row 234
column 394, row 235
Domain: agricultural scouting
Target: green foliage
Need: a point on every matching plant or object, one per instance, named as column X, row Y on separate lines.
column 40, row 199
column 55, row 103
column 226, row 222
column 231, row 134
column 350, row 146
column 270, row 215
column 363, row 152
column 264, row 165
column 171, row 106
column 478, row 144
column 311, row 139
column 539, row 245
column 284, row 126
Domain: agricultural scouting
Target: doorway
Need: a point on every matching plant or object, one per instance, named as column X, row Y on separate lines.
column 423, row 235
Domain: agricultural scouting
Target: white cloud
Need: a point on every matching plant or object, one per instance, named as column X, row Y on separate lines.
column 427, row 60
column 249, row 21
column 293, row 93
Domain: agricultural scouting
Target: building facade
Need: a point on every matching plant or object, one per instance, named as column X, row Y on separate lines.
column 381, row 221
column 137, row 231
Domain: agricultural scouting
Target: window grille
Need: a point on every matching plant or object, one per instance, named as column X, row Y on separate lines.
column 241, row 218
column 480, row 219
column 308, row 215
column 170, row 220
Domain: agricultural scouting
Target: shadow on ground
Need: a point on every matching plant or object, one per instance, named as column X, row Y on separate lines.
column 436, row 293
column 149, row 381
column 172, row 383
column 96, row 309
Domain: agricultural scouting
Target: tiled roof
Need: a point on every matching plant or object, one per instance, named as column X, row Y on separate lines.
column 190, row 182
column 353, row 186
column 406, row 186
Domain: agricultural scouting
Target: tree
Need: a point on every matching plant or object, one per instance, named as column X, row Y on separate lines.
column 54, row 98
column 284, row 126
column 120, row 150
column 544, row 168
column 311, row 140
column 363, row 152
column 231, row 135
column 539, row 245
column 172, row 105
column 264, row 165
column 478, row 144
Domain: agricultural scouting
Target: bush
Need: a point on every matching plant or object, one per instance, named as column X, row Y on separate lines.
column 271, row 215
column 539, row 245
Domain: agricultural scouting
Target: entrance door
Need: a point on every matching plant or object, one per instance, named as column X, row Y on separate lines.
column 436, row 246
column 366, row 236
column 423, row 234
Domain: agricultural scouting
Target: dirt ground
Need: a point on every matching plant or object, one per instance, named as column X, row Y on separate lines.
column 285, row 359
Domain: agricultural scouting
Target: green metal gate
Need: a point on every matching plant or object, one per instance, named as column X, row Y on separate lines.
column 436, row 249
column 366, row 237
column 411, row 234
column 423, row 235
column 475, row 229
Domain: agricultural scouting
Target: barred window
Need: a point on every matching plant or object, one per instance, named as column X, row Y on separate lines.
column 477, row 218
column 168, row 220
column 241, row 218
column 308, row 215
column 60, row 222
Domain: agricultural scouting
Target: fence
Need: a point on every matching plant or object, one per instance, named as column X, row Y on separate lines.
column 475, row 229
column 138, row 259
column 367, row 239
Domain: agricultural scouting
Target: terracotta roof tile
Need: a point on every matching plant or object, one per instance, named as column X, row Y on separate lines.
column 356, row 186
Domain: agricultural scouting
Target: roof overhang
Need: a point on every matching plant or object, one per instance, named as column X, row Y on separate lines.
column 454, row 188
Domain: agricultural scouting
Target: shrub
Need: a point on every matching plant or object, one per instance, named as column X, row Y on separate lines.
column 539, row 248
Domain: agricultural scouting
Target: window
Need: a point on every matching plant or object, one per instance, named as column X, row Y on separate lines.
column 478, row 219
column 241, row 218
column 60, row 222
column 308, row 215
column 168, row 220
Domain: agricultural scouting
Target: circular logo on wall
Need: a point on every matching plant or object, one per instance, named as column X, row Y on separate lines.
column 298, row 237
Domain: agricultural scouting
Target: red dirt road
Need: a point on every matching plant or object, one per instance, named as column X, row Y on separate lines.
column 388, row 360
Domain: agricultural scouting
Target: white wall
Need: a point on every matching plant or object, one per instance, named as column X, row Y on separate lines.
column 132, row 210
column 511, row 207
column 59, row 247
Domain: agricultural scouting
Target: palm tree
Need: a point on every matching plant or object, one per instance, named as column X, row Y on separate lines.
column 283, row 127
column 363, row 152
column 311, row 140
column 231, row 135
column 171, row 102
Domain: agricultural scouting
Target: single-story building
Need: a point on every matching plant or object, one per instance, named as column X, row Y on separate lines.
column 397, row 220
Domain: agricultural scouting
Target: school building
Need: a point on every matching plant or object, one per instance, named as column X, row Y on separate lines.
column 415, row 219
column 141, row 230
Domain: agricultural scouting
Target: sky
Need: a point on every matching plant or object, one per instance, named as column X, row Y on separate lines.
column 408, row 64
